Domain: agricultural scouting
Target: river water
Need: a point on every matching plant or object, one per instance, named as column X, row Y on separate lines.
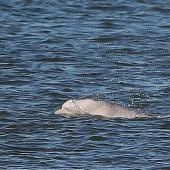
column 52, row 51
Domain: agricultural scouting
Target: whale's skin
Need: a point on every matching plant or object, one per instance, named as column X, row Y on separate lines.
column 98, row 108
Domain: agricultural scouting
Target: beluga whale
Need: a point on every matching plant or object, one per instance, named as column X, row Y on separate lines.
column 89, row 106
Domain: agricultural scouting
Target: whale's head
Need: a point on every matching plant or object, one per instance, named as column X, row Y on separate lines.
column 69, row 108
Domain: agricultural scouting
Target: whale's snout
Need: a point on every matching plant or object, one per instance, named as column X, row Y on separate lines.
column 60, row 111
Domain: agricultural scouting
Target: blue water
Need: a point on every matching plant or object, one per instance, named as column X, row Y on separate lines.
column 52, row 51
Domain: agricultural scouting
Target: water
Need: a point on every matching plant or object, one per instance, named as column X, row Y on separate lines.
column 52, row 51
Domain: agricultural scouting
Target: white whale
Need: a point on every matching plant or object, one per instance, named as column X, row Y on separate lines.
column 101, row 108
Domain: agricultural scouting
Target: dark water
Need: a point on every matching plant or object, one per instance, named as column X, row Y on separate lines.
column 51, row 51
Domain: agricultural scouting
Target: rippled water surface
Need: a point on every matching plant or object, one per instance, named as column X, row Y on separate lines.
column 51, row 51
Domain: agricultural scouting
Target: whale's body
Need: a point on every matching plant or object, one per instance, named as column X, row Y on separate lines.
column 101, row 108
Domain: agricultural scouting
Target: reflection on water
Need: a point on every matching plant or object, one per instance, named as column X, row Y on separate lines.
column 57, row 50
